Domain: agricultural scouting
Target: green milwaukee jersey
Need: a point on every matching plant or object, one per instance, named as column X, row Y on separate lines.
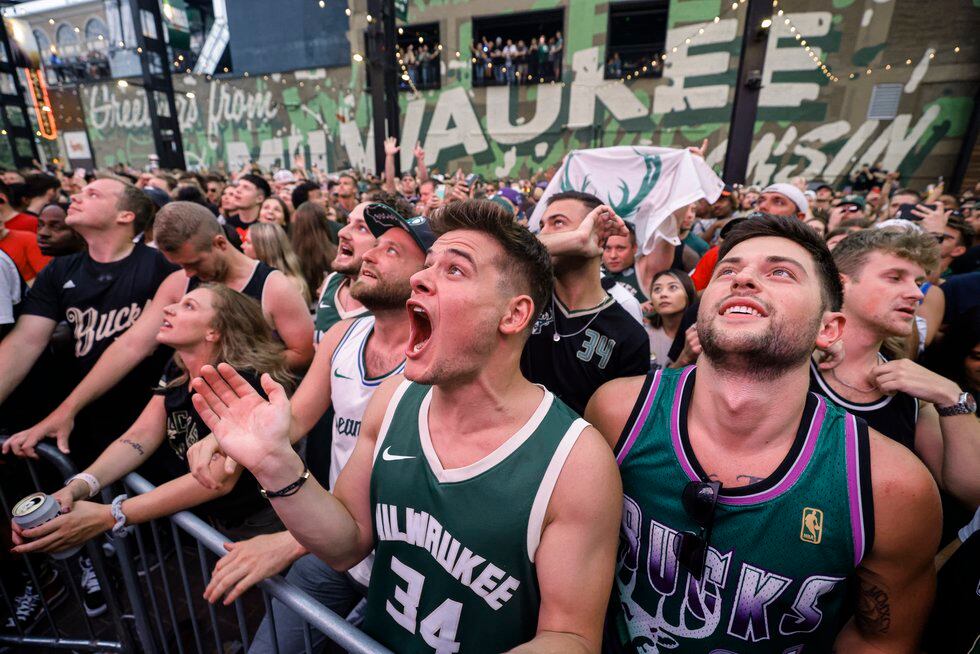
column 627, row 277
column 782, row 550
column 328, row 309
column 454, row 549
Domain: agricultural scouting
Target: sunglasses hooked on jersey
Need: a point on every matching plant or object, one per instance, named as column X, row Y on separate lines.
column 699, row 500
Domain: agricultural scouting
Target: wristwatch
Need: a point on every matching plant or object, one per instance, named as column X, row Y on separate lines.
column 966, row 404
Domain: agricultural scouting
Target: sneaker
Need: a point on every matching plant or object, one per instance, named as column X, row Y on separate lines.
column 92, row 598
column 28, row 608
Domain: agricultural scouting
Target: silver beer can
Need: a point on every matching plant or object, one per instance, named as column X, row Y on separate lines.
column 35, row 510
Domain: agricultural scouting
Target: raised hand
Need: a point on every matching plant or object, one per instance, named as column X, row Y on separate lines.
column 460, row 192
column 592, row 230
column 418, row 151
column 933, row 220
column 699, row 151
column 391, row 146
column 251, row 430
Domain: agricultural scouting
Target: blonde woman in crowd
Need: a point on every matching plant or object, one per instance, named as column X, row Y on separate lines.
column 268, row 243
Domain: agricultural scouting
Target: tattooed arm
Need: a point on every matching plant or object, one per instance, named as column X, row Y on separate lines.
column 896, row 579
column 130, row 450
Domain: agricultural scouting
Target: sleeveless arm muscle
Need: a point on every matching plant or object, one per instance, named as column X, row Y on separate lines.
column 576, row 557
column 291, row 319
column 897, row 578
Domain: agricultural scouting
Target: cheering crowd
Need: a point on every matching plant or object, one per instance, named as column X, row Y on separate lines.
column 475, row 415
column 499, row 61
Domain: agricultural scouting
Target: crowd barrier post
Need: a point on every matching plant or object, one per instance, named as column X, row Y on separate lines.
column 163, row 615
column 57, row 638
column 207, row 538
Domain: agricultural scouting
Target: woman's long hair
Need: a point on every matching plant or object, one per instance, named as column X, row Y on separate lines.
column 656, row 320
column 245, row 339
column 312, row 243
column 272, row 248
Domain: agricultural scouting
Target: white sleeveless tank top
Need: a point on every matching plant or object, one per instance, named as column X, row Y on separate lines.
column 350, row 391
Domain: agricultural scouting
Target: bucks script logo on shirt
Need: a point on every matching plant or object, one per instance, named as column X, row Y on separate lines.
column 91, row 326
column 735, row 598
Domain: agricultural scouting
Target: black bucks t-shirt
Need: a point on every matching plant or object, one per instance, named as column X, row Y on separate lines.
column 184, row 428
column 100, row 301
column 592, row 347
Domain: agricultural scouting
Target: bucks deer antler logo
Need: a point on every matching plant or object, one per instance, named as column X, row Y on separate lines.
column 627, row 203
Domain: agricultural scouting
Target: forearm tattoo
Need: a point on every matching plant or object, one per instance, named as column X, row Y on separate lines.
column 873, row 614
column 133, row 444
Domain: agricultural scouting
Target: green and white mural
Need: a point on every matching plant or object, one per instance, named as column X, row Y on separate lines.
column 806, row 125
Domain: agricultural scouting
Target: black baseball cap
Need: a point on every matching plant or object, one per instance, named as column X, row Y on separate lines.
column 380, row 218
column 259, row 182
column 158, row 196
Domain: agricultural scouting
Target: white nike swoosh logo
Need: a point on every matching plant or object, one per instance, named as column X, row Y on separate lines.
column 388, row 456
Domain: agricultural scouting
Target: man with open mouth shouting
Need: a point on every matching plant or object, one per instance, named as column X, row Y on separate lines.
column 353, row 360
column 491, row 506
column 335, row 303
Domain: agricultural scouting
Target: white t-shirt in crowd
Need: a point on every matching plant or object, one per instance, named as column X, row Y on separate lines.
column 9, row 289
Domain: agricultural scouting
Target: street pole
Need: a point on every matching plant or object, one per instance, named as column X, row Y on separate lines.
column 158, row 83
column 747, row 88
column 19, row 133
column 384, row 79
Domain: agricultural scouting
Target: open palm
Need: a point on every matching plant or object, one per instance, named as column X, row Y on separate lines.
column 248, row 427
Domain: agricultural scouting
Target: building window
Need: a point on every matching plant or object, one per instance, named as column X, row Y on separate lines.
column 419, row 57
column 96, row 35
column 635, row 39
column 67, row 40
column 520, row 48
column 43, row 43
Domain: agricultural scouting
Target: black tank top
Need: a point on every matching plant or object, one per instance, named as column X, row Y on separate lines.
column 893, row 415
column 184, row 428
column 254, row 286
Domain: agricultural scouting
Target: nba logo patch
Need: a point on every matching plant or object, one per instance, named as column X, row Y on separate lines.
column 811, row 530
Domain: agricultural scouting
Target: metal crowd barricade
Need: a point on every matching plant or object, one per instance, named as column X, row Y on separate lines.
column 96, row 636
column 162, row 608
column 313, row 614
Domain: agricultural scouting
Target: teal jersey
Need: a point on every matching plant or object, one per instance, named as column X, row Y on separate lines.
column 782, row 550
column 696, row 243
column 454, row 549
column 328, row 309
column 627, row 277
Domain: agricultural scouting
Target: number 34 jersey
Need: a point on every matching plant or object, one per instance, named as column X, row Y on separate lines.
column 454, row 559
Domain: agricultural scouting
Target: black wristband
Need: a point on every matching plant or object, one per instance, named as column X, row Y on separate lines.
column 292, row 489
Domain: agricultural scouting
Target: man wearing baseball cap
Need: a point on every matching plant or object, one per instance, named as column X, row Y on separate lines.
column 250, row 192
column 783, row 200
column 380, row 218
column 776, row 200
column 354, row 358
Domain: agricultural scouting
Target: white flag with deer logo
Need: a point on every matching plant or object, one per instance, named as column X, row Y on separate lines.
column 644, row 185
